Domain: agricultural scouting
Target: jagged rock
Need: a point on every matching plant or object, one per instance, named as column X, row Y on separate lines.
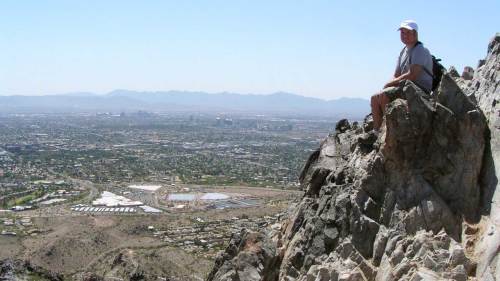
column 317, row 179
column 249, row 256
column 485, row 83
column 425, row 275
column 485, row 87
column 367, row 140
column 13, row 270
column 468, row 73
column 89, row 276
column 452, row 71
column 391, row 208
column 342, row 126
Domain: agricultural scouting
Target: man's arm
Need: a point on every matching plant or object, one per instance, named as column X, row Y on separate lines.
column 412, row 75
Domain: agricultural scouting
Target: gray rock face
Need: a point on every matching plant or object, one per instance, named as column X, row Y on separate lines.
column 13, row 270
column 484, row 87
column 452, row 71
column 249, row 256
column 402, row 206
column 468, row 73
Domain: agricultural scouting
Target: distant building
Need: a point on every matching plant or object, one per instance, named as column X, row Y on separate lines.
column 21, row 208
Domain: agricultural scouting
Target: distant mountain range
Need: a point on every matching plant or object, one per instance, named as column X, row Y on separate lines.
column 182, row 101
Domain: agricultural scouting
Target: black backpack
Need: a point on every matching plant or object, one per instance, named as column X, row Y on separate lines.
column 437, row 70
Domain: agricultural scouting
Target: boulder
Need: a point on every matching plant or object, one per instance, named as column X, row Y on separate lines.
column 468, row 73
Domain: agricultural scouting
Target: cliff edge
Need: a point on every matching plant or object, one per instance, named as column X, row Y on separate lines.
column 417, row 202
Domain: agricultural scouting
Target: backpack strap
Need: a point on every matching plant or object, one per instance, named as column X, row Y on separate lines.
column 401, row 55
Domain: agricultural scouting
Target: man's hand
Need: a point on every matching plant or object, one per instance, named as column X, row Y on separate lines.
column 412, row 75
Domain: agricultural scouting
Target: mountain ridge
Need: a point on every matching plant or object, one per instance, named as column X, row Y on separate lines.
column 188, row 101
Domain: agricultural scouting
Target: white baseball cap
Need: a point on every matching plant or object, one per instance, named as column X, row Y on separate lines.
column 409, row 24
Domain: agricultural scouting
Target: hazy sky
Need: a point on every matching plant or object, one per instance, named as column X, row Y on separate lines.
column 325, row 49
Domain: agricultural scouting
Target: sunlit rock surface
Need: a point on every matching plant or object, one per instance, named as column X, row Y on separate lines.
column 416, row 202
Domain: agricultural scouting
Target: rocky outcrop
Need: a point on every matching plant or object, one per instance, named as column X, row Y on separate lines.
column 468, row 73
column 249, row 256
column 13, row 270
column 407, row 204
column 484, row 87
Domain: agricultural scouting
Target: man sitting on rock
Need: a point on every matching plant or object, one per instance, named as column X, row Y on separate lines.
column 414, row 63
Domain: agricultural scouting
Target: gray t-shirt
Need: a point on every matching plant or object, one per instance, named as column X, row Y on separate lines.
column 421, row 56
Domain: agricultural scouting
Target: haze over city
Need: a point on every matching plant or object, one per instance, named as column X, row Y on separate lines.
column 315, row 49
